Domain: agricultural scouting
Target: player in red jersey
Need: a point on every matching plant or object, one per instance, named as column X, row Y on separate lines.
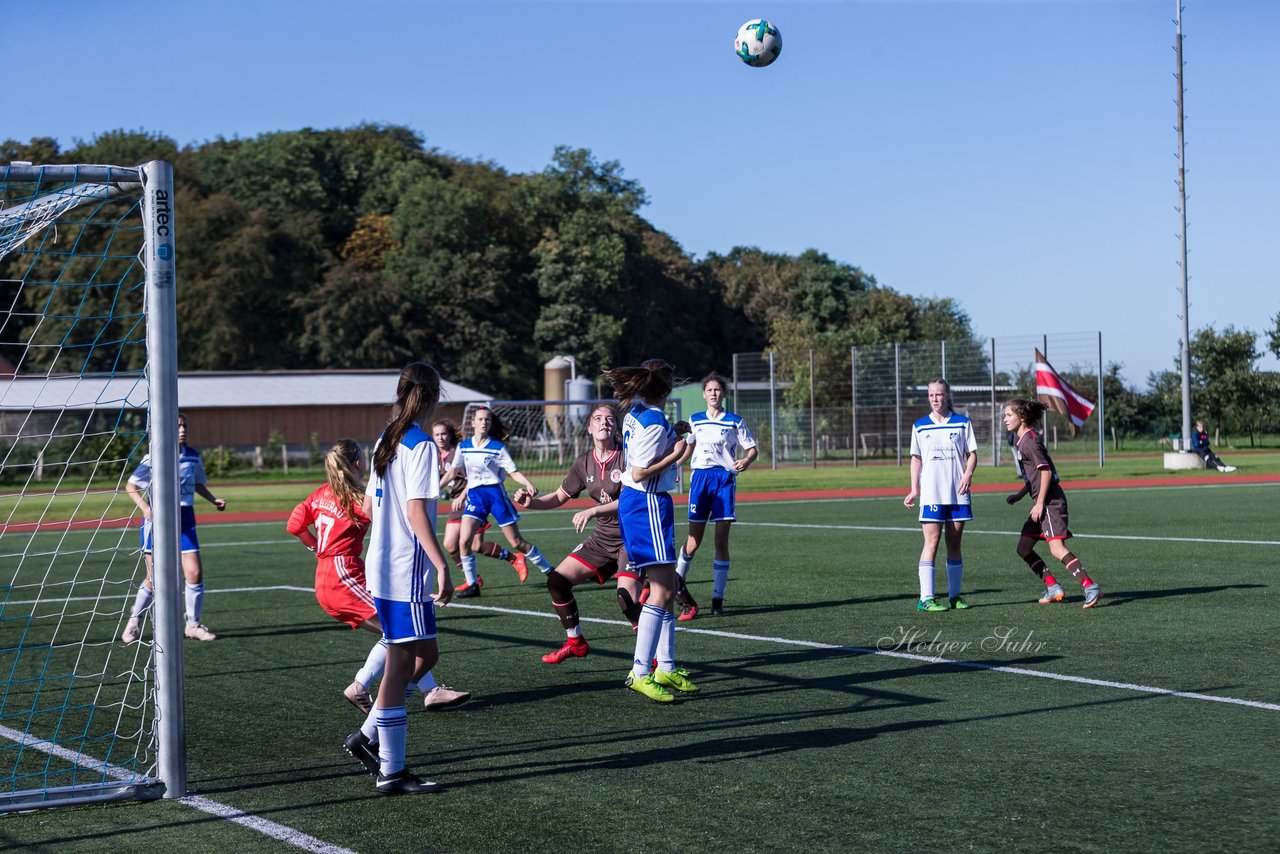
column 601, row 556
column 1048, row 518
column 334, row 511
column 446, row 436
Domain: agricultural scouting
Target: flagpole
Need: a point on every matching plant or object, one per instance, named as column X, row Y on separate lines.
column 1185, row 445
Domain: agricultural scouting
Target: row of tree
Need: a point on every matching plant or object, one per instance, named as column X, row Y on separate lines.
column 362, row 248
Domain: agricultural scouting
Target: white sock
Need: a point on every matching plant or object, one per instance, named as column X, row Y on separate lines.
column 647, row 636
column 955, row 569
column 426, row 683
column 374, row 664
column 195, row 602
column 575, row 632
column 142, row 601
column 469, row 568
column 370, row 725
column 393, row 731
column 719, row 578
column 926, row 580
column 667, row 643
column 538, row 560
column 682, row 565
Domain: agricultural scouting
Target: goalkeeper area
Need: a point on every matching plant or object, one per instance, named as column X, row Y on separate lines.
column 832, row 715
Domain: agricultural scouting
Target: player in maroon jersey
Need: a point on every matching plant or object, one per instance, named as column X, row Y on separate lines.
column 1048, row 518
column 446, row 436
column 334, row 511
column 600, row 556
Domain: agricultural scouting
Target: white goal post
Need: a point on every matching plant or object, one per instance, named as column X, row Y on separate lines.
column 88, row 358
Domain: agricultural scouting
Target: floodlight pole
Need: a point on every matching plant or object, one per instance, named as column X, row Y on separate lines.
column 1182, row 237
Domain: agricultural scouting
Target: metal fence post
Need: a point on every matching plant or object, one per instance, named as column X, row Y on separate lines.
column 813, row 415
column 853, row 398
column 897, row 399
column 1102, row 447
column 773, row 414
column 995, row 420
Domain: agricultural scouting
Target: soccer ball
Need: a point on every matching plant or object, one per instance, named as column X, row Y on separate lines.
column 758, row 43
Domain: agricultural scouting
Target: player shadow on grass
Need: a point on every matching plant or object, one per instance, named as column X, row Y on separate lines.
column 1114, row 599
column 715, row 741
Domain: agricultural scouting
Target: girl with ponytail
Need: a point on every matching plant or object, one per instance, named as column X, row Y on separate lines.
column 652, row 448
column 403, row 565
column 336, row 513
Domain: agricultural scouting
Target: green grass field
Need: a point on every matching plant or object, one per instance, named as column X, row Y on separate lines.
column 268, row 494
column 832, row 715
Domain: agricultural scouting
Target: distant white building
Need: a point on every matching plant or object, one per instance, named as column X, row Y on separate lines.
column 232, row 408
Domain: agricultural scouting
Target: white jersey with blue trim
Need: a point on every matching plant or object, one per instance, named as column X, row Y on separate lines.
column 190, row 475
column 943, row 448
column 716, row 440
column 395, row 565
column 485, row 465
column 647, row 437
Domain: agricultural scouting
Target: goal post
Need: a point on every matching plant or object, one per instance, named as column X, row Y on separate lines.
column 88, row 359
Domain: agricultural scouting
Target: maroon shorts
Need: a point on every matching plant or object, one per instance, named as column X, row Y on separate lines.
column 1052, row 524
column 602, row 555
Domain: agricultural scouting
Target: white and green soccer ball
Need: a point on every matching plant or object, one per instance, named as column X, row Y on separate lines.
column 758, row 43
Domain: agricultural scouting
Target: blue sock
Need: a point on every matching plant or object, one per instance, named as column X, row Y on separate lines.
column 719, row 578
column 955, row 569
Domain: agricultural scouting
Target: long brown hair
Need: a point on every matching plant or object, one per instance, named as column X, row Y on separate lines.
column 454, row 435
column 497, row 430
column 344, row 479
column 651, row 381
column 1029, row 412
column 417, row 395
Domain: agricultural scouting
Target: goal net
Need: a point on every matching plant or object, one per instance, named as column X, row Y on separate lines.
column 87, row 363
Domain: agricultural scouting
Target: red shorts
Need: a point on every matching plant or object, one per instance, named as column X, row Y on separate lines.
column 341, row 591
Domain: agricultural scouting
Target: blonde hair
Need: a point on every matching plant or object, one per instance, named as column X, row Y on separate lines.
column 344, row 479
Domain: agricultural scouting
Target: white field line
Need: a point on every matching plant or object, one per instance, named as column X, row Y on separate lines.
column 909, row 656
column 968, row 530
column 888, row 653
column 285, row 834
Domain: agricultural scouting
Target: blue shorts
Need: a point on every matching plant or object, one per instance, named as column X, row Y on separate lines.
column 711, row 495
column 946, row 512
column 486, row 501
column 648, row 526
column 406, row 621
column 189, row 541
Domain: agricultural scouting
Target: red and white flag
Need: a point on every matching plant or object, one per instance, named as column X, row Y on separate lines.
column 1054, row 392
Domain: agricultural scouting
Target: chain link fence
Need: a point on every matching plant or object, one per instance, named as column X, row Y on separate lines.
column 857, row 406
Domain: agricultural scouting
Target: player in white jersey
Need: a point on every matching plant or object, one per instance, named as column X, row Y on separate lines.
column 401, row 564
column 448, row 438
column 713, row 442
column 944, row 454
column 191, row 482
column 652, row 450
column 484, row 462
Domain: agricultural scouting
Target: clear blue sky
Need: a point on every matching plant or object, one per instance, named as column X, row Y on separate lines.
column 1015, row 156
